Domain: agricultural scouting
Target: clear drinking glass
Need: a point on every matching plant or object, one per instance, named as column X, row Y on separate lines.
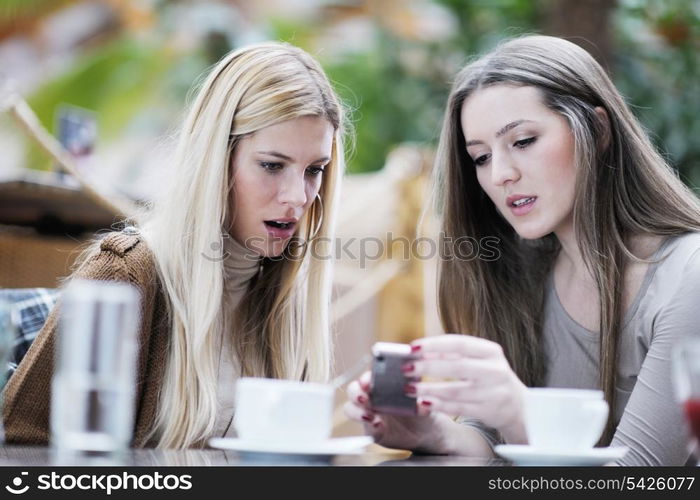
column 686, row 376
column 8, row 334
column 92, row 404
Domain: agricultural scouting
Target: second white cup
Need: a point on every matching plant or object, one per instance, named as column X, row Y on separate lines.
column 568, row 420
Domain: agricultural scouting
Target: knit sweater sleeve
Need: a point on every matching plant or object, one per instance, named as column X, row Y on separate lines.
column 27, row 395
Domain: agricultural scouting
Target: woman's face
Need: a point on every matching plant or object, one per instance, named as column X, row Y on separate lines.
column 277, row 172
column 523, row 154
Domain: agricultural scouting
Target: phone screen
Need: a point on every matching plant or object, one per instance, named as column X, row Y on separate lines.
column 387, row 386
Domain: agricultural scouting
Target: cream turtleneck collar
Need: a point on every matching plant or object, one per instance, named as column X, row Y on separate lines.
column 240, row 266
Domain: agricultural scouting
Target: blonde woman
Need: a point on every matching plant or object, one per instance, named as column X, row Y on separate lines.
column 228, row 284
column 598, row 273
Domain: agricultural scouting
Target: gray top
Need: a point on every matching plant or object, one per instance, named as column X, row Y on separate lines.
column 665, row 310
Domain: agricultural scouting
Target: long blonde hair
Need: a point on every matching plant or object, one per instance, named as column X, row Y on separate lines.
column 624, row 188
column 282, row 326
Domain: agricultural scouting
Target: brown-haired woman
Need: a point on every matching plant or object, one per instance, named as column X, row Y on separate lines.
column 598, row 273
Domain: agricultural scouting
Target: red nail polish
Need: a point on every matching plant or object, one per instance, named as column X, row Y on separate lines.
column 408, row 367
column 367, row 418
column 427, row 404
column 415, row 348
column 410, row 388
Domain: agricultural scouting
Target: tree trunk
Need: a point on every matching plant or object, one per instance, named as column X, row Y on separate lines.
column 586, row 23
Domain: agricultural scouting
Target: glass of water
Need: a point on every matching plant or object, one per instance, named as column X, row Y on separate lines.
column 92, row 404
column 8, row 334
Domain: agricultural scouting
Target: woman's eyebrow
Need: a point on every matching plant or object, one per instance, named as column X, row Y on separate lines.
column 511, row 126
column 275, row 154
column 503, row 130
column 282, row 156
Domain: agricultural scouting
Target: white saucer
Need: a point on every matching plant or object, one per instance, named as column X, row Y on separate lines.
column 527, row 455
column 334, row 446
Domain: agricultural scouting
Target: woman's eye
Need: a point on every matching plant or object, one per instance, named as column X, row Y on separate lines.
column 314, row 171
column 271, row 166
column 481, row 160
column 523, row 143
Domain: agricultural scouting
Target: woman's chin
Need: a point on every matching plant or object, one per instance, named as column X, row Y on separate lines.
column 532, row 233
column 274, row 249
column 278, row 248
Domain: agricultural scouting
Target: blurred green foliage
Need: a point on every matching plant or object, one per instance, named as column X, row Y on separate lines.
column 657, row 68
column 10, row 9
column 126, row 83
column 656, row 65
column 396, row 87
column 115, row 81
column 388, row 103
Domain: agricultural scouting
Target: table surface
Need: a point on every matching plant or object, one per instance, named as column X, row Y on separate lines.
column 39, row 456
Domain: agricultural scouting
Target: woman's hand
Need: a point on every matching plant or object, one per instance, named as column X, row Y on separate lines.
column 480, row 383
column 423, row 432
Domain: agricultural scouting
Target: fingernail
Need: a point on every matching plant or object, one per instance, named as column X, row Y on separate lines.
column 377, row 424
column 415, row 348
column 410, row 388
column 361, row 399
column 426, row 403
column 408, row 367
column 367, row 418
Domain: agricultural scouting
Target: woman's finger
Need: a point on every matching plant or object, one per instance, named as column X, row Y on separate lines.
column 465, row 345
column 451, row 408
column 461, row 369
column 352, row 411
column 358, row 413
column 423, row 407
column 357, row 395
column 365, row 380
column 455, row 391
column 466, row 392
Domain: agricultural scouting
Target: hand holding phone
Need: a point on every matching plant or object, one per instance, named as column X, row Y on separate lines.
column 387, row 385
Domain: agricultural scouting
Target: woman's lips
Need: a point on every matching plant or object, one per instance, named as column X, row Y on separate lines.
column 281, row 233
column 525, row 208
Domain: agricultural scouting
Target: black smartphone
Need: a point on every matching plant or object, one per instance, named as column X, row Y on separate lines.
column 387, row 386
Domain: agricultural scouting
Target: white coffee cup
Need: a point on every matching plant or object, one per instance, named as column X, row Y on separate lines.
column 564, row 419
column 283, row 410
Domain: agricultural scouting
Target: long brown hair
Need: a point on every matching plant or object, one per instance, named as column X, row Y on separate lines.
column 624, row 188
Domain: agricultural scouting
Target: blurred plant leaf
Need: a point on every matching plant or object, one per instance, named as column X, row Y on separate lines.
column 658, row 71
column 115, row 81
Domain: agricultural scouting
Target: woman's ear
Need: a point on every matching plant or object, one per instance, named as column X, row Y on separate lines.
column 605, row 123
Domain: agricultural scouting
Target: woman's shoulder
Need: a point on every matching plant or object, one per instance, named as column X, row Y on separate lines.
column 127, row 241
column 678, row 260
column 681, row 249
column 120, row 255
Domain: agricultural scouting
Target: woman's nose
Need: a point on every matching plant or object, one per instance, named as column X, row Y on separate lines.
column 293, row 190
column 503, row 169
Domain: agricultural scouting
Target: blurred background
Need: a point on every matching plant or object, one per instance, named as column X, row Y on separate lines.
column 132, row 63
column 110, row 79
